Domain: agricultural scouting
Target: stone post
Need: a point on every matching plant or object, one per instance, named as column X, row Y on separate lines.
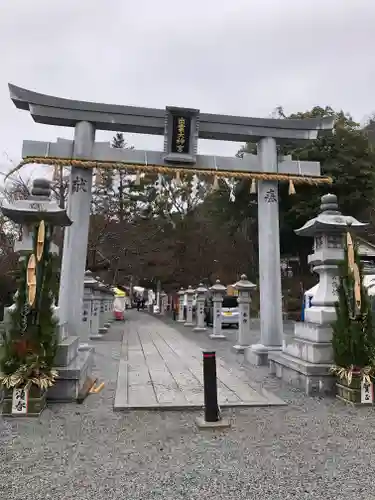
column 201, row 292
column 271, row 324
column 76, row 236
column 102, row 313
column 306, row 357
column 181, row 295
column 163, row 298
column 86, row 314
column 244, row 286
column 189, row 306
column 218, row 292
column 93, row 286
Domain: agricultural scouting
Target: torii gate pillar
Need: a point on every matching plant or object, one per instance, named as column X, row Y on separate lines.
column 76, row 236
column 271, row 323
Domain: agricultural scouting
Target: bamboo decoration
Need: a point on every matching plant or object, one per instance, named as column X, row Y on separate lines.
column 31, row 279
column 353, row 267
column 40, row 241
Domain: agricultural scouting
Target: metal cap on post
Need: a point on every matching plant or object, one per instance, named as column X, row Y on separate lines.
column 212, row 417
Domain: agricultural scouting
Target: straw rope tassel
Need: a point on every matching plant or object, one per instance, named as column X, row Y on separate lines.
column 253, row 187
column 138, row 178
column 215, row 185
column 292, row 189
column 98, row 178
column 177, row 179
column 56, row 173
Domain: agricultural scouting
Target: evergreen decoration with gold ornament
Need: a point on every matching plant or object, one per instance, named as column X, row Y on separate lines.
column 27, row 357
column 31, row 280
column 353, row 338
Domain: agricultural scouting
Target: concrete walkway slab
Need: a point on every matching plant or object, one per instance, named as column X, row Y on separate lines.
column 160, row 369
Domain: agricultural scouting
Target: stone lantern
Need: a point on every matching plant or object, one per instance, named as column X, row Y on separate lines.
column 181, row 295
column 189, row 306
column 307, row 356
column 218, row 291
column 201, row 292
column 163, row 302
column 73, row 367
column 244, row 286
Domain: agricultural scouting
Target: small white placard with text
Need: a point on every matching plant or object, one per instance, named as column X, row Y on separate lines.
column 367, row 392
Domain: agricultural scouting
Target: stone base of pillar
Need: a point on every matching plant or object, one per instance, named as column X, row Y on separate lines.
column 103, row 330
column 306, row 359
column 95, row 336
column 257, row 354
column 217, row 336
column 200, row 329
column 180, row 321
column 188, row 324
column 74, row 367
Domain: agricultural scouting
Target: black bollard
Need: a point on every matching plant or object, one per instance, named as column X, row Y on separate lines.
column 211, row 407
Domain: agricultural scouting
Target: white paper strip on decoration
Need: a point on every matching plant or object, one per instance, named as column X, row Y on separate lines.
column 367, row 393
column 20, row 401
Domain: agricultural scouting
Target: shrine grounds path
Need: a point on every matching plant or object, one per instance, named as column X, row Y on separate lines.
column 311, row 448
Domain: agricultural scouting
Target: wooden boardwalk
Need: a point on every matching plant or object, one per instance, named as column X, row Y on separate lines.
column 160, row 369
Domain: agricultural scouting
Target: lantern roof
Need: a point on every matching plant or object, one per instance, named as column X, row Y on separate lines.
column 330, row 220
column 38, row 206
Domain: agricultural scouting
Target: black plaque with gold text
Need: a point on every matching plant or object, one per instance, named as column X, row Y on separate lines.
column 181, row 126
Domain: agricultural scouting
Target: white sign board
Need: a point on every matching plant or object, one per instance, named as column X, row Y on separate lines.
column 367, row 393
column 20, row 401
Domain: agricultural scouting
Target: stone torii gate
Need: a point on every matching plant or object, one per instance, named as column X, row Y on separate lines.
column 181, row 128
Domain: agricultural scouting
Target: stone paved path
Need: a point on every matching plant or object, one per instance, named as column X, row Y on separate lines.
column 161, row 369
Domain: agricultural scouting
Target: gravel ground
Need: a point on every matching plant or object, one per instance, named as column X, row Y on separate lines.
column 313, row 448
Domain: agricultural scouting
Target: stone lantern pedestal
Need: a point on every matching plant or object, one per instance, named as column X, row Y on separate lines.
column 201, row 292
column 306, row 357
column 189, row 307
column 74, row 365
column 181, row 295
column 244, row 286
column 218, row 291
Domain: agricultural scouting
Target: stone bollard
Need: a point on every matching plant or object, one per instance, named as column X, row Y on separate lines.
column 189, row 307
column 201, row 292
column 86, row 313
column 163, row 299
column 181, row 295
column 102, row 289
column 91, row 283
column 218, row 291
column 244, row 286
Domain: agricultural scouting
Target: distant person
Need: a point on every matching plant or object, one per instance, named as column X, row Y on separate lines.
column 138, row 304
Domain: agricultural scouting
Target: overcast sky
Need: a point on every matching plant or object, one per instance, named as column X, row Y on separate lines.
column 241, row 57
